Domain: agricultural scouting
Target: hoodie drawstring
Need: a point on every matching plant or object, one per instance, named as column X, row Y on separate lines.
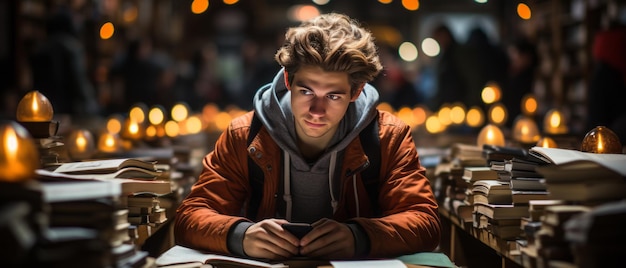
column 331, row 176
column 287, row 184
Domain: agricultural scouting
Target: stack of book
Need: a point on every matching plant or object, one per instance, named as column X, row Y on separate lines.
column 550, row 241
column 597, row 236
column 87, row 223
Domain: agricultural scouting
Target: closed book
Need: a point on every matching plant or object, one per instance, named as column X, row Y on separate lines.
column 501, row 211
column 524, row 197
column 473, row 174
column 492, row 192
column 587, row 191
column 524, row 183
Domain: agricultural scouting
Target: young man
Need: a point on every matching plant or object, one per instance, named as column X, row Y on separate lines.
column 313, row 162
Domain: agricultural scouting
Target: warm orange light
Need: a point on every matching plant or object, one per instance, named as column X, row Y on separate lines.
column 411, row 5
column 171, row 129
column 106, row 30
column 491, row 93
column 457, row 113
column 525, row 130
column 193, row 124
column 419, row 113
column 490, row 134
column 222, row 120
column 34, row 107
column 529, row 104
column 475, row 117
column 230, row 2
column 406, row 115
column 498, row 114
column 199, row 6
column 133, row 130
column 80, row 144
column 109, row 143
column 444, row 115
column 179, row 112
column 554, row 122
column 547, row 142
column 433, row 125
column 385, row 1
column 523, row 11
column 601, row 140
column 156, row 115
column 19, row 158
column 114, row 124
column 138, row 112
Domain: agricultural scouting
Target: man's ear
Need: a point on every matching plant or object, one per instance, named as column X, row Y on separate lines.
column 358, row 91
column 286, row 79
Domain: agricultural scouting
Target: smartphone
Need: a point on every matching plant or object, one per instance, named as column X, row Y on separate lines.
column 297, row 229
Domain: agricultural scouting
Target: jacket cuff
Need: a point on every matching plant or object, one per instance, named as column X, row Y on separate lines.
column 361, row 240
column 235, row 238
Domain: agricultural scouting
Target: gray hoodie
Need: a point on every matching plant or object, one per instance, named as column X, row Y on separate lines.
column 312, row 185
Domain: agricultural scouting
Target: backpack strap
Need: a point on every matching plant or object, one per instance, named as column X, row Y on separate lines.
column 370, row 141
column 255, row 174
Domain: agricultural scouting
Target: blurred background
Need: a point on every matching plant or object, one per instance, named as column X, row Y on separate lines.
column 451, row 66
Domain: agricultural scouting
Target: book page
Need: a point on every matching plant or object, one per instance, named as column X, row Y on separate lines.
column 180, row 254
column 615, row 162
column 103, row 166
column 368, row 264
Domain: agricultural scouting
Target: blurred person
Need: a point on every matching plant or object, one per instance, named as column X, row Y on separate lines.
column 393, row 85
column 607, row 85
column 143, row 75
column 523, row 62
column 450, row 80
column 304, row 138
column 488, row 63
column 59, row 69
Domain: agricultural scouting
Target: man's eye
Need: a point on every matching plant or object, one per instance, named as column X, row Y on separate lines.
column 306, row 92
column 333, row 97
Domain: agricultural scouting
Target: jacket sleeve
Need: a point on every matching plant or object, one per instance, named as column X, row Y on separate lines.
column 215, row 201
column 410, row 221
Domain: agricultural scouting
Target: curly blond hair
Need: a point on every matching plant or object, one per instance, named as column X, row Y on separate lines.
column 334, row 42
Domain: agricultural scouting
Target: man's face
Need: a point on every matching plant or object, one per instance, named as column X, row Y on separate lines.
column 319, row 101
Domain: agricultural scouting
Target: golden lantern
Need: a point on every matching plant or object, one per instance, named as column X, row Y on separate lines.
column 19, row 158
column 80, row 144
column 601, row 140
column 490, row 134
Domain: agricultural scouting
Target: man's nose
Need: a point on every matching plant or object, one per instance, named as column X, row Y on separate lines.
column 318, row 106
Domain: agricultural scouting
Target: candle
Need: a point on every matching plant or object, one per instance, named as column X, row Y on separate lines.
column 80, row 144
column 109, row 143
column 18, row 156
column 490, row 134
column 34, row 107
column 601, row 140
column 554, row 122
column 525, row 130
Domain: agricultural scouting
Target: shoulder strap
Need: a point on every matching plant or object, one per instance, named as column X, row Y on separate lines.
column 255, row 174
column 370, row 141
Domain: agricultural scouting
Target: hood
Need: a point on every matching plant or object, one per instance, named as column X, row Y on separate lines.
column 272, row 105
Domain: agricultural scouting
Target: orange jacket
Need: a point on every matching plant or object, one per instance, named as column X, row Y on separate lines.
column 409, row 224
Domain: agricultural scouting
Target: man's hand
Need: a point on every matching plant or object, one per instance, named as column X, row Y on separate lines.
column 268, row 240
column 328, row 240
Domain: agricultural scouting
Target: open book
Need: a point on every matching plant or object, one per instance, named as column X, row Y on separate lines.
column 112, row 168
column 571, row 164
column 104, row 166
column 178, row 255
